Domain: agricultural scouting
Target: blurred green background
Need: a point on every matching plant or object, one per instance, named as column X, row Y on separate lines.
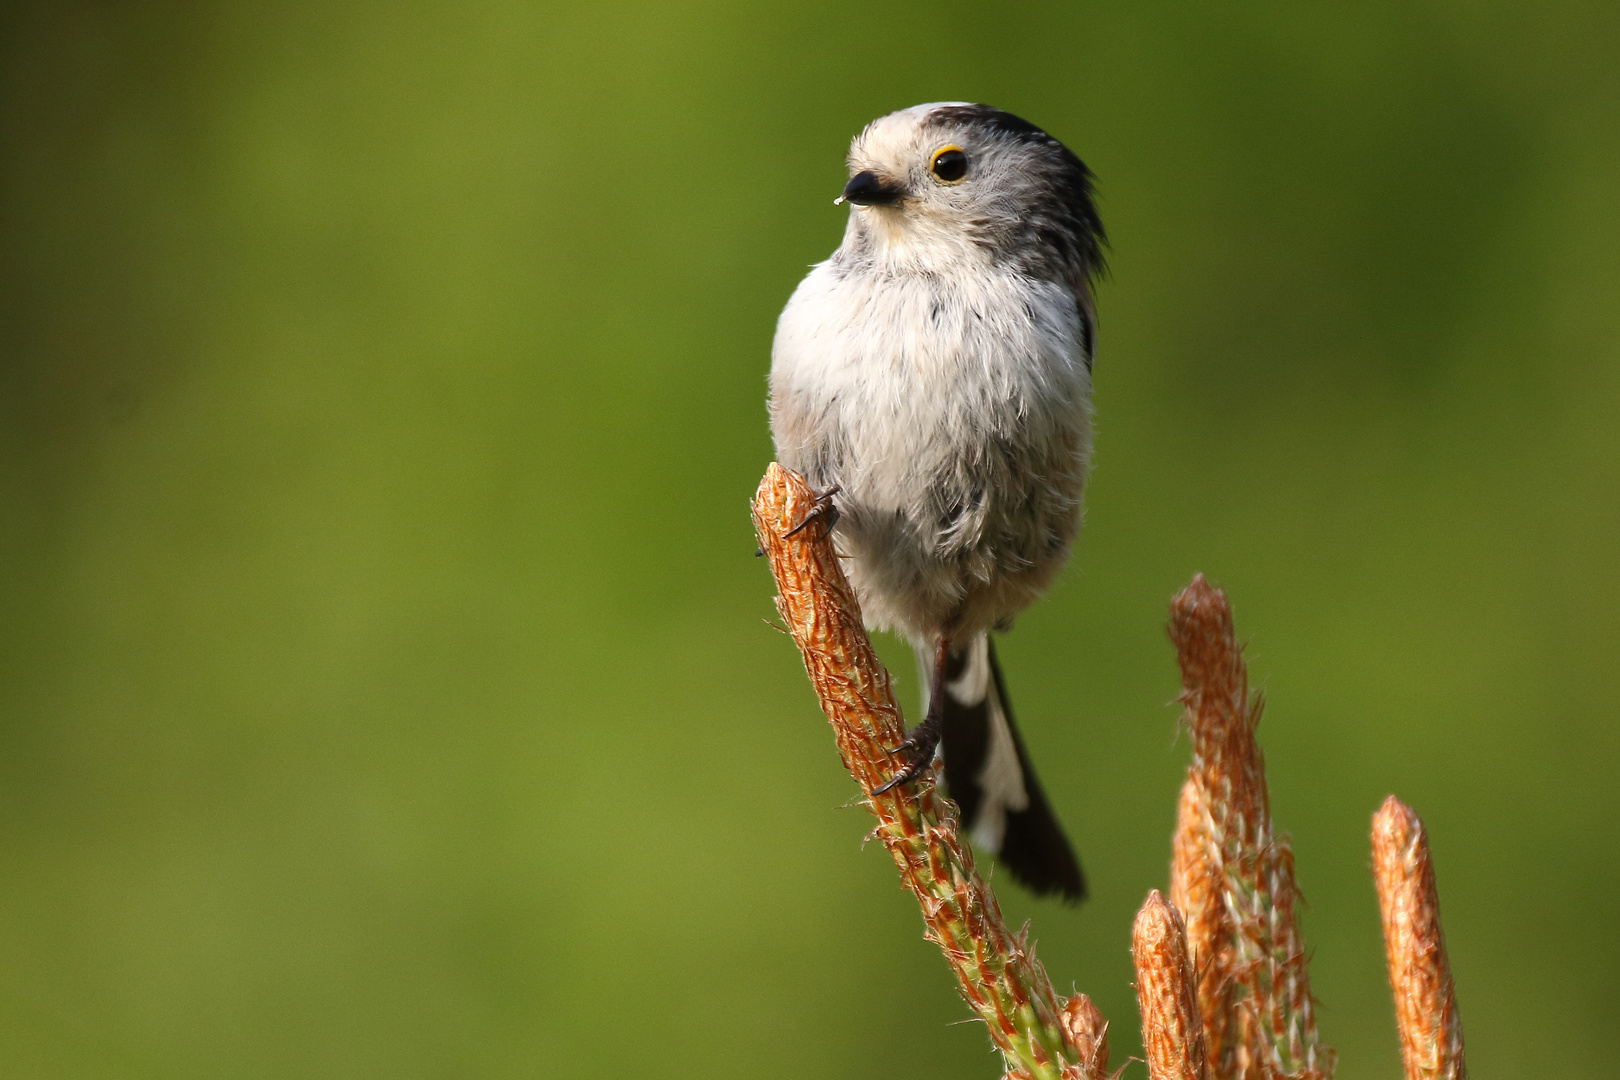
column 384, row 686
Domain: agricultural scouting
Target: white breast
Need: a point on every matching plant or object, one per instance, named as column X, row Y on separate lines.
column 909, row 372
column 942, row 406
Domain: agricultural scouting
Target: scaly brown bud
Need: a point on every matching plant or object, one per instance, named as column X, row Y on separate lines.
column 1172, row 1033
column 1232, row 876
column 1087, row 1032
column 1419, row 976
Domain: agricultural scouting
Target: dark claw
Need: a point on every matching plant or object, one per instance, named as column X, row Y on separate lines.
column 824, row 510
column 905, row 775
column 920, row 744
column 910, row 742
column 922, row 740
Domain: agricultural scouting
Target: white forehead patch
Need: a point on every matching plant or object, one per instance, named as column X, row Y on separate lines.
column 888, row 139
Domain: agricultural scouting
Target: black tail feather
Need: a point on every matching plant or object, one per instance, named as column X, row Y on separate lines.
column 1003, row 809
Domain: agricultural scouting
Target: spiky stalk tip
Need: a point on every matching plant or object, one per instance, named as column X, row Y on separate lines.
column 1166, row 992
column 1232, row 875
column 1419, row 974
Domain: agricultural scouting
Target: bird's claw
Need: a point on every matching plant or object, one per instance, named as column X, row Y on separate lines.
column 919, row 746
column 914, row 768
column 824, row 509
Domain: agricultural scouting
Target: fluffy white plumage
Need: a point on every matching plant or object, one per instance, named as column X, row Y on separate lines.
column 945, row 391
column 936, row 370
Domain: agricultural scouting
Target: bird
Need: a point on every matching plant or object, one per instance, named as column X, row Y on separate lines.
column 931, row 382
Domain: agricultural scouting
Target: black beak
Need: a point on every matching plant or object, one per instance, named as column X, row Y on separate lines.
column 866, row 189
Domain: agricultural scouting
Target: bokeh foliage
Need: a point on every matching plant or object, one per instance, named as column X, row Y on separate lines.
column 383, row 686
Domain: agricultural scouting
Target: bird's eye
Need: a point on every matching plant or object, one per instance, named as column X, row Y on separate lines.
column 949, row 164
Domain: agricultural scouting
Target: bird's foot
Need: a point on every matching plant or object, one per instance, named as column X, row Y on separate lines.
column 923, row 740
column 823, row 509
column 919, row 746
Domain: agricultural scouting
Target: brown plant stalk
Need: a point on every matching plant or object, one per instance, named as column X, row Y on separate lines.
column 1166, row 992
column 1419, row 976
column 1039, row 1034
column 1231, row 876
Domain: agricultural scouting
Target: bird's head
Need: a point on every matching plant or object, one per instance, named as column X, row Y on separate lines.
column 933, row 185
